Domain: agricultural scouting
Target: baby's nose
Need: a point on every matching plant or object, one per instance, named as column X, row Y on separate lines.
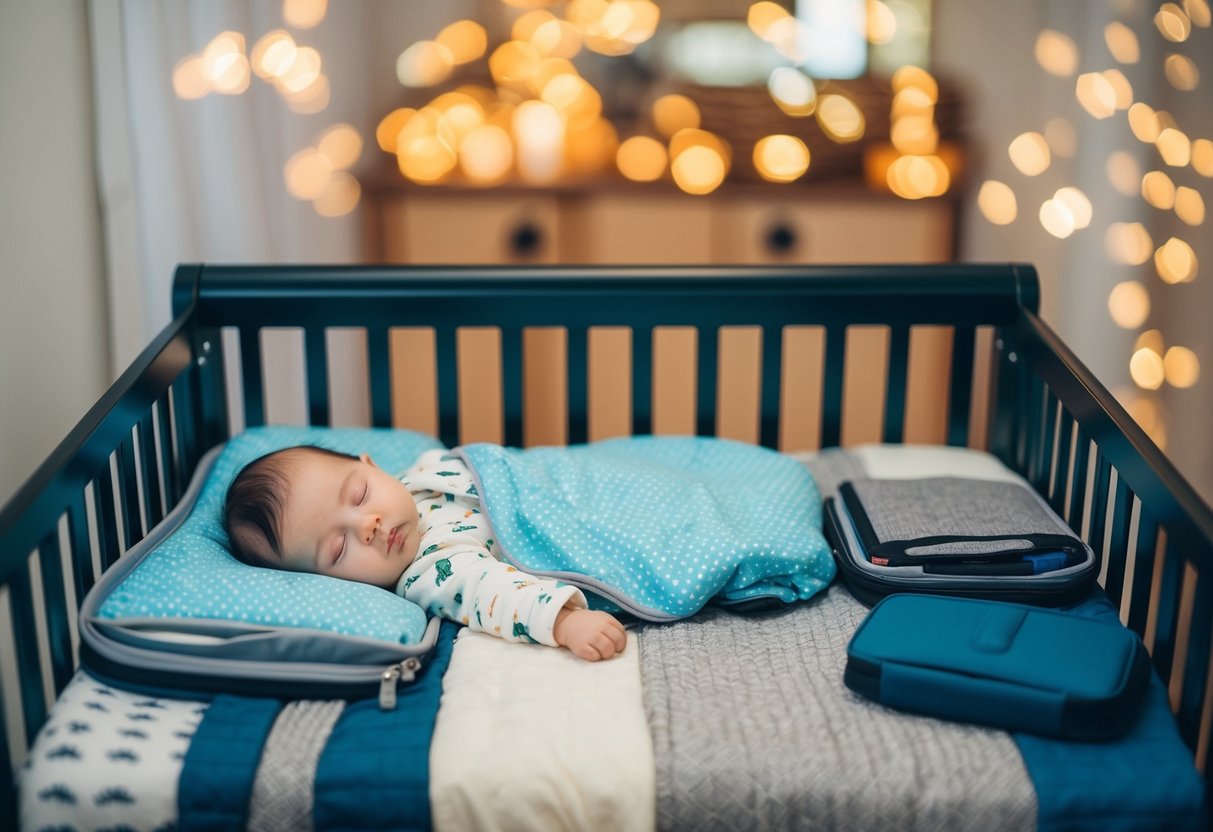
column 372, row 526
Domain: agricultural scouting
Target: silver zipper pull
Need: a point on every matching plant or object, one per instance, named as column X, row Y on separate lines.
column 406, row 671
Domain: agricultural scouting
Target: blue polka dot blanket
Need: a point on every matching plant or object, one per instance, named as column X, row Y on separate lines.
column 658, row 525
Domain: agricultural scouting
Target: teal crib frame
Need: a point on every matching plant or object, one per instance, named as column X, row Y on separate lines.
column 127, row 462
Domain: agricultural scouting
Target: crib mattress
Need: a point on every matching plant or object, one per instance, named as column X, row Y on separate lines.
column 532, row 738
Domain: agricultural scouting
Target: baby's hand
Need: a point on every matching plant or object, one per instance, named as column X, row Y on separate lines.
column 590, row 634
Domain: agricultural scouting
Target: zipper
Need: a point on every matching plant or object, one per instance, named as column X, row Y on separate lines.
column 391, row 678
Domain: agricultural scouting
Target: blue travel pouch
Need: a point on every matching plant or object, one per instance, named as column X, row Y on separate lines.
column 1009, row 666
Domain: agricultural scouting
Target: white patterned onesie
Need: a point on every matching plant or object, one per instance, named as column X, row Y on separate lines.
column 455, row 574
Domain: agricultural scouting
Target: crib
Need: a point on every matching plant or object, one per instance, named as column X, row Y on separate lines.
column 575, row 354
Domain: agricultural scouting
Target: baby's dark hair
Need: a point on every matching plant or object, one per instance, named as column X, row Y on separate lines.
column 256, row 500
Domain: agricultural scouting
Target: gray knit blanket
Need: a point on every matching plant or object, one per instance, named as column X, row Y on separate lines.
column 753, row 729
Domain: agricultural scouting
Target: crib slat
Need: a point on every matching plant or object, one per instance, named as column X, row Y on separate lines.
column 153, row 505
column 577, row 389
column 25, row 638
column 1035, row 427
column 82, row 555
column 167, row 460
column 1082, row 451
column 106, row 517
column 1166, row 623
column 315, row 352
column 1196, row 663
column 642, row 380
column 1143, row 572
column 128, row 494
column 1057, row 492
column 1044, row 465
column 831, row 394
column 448, row 385
column 1099, row 502
column 250, row 376
column 1118, row 540
column 707, row 377
column 379, row 368
column 59, row 639
column 185, row 431
column 211, row 390
column 511, row 384
column 962, row 386
column 895, row 396
column 772, row 373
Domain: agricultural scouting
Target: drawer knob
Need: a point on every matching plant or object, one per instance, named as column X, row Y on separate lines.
column 526, row 239
column 781, row 238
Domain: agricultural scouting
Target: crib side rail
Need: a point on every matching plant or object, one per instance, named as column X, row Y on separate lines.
column 118, row 472
column 1098, row 469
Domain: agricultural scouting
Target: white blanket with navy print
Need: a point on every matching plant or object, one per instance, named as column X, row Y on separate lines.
column 659, row 526
column 455, row 574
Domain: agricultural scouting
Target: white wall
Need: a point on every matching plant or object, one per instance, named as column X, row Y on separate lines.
column 53, row 333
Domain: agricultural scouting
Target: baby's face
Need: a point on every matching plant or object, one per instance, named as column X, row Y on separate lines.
column 349, row 519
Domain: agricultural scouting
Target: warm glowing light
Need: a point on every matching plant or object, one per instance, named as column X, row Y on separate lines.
column 1122, row 90
column 341, row 145
column 1158, row 190
column 1181, row 366
column 312, row 99
column 307, row 174
column 526, row 25
column 591, row 149
column 1202, row 157
column 882, row 22
column 1124, row 173
column 303, row 71
column 1172, row 23
column 918, row 177
column 425, row 159
column 465, row 40
column 698, row 170
column 912, row 101
column 557, row 39
column 1189, row 205
column 273, row 54
column 1198, row 12
column 221, row 53
column 1174, row 147
column 839, row 118
column 761, row 15
column 1056, row 218
column 577, row 101
column 672, row 113
column 641, row 159
column 189, row 81
column 1056, row 53
column 1129, row 243
column 1079, row 205
column 1175, row 261
column 390, row 126
column 1144, row 122
column 1129, row 304
column 1146, row 368
column 424, row 64
column 304, row 14
column 910, row 77
column 340, row 197
column 915, row 135
column 781, row 158
column 1181, row 71
column 539, row 136
column 692, row 137
column 1059, row 133
column 1122, row 42
column 1096, row 94
column 486, row 154
column 1151, row 340
column 1030, row 153
column 792, row 91
column 997, row 202
column 514, row 62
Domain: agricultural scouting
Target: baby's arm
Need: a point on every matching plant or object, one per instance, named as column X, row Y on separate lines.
column 464, row 584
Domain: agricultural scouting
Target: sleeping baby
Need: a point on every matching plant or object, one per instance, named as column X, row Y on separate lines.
column 422, row 535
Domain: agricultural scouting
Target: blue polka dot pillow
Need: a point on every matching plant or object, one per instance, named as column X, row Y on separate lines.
column 191, row 573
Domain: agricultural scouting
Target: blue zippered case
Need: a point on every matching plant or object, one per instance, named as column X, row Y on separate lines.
column 1009, row 666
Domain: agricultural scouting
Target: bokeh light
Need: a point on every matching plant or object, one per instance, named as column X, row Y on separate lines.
column 1181, row 72
column 1174, row 147
column 641, row 159
column 1129, row 243
column 464, row 40
column 839, row 118
column 1078, row 204
column 781, row 158
column 1124, row 173
column 1056, row 53
column 1029, row 153
column 1173, row 24
column 1202, row 157
column 1096, row 94
column 1144, row 122
column 307, row 174
column 1129, row 304
column 486, row 154
column 424, row 64
column 1189, row 205
column 339, row 197
column 997, row 202
column 672, row 113
column 341, row 144
column 918, row 177
column 1181, row 366
column 304, row 14
column 792, row 91
column 1146, row 368
column 189, row 81
column 1122, row 42
column 1056, row 218
column 698, row 170
column 1175, row 261
column 1158, row 190
column 390, row 126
